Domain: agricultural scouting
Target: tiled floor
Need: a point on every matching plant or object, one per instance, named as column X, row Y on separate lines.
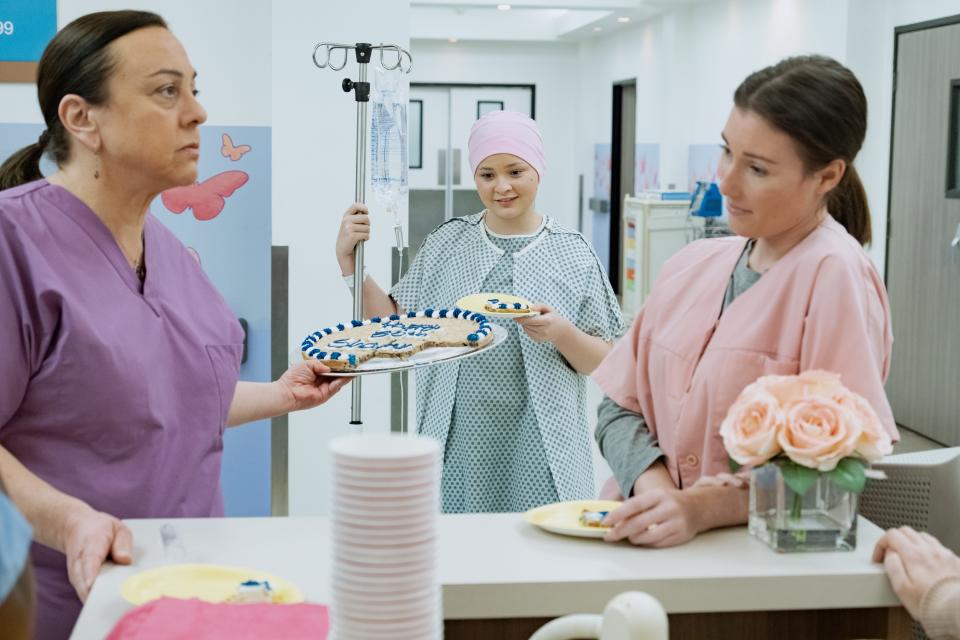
column 911, row 441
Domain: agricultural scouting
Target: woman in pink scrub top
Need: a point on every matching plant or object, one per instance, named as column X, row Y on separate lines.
column 120, row 361
column 794, row 290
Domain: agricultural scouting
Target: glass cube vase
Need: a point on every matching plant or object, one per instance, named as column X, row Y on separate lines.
column 822, row 519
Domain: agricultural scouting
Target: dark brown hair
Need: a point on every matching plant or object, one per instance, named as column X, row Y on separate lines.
column 75, row 62
column 820, row 104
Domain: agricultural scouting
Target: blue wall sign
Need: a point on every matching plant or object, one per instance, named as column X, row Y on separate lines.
column 26, row 28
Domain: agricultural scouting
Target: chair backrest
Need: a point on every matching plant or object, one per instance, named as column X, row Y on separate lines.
column 922, row 490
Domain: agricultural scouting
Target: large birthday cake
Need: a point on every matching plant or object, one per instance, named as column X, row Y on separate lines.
column 345, row 347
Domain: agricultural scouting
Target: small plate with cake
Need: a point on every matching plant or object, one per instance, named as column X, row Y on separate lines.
column 210, row 583
column 401, row 341
column 499, row 305
column 580, row 518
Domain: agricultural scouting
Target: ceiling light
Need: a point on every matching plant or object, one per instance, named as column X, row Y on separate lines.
column 503, row 7
column 623, row 19
column 452, row 40
column 598, row 28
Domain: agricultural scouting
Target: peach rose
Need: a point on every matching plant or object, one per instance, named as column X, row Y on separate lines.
column 750, row 429
column 789, row 389
column 874, row 442
column 819, row 432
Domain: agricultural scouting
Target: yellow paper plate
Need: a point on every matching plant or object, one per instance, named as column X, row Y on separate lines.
column 476, row 302
column 208, row 582
column 564, row 517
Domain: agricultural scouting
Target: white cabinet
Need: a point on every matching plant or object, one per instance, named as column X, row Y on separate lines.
column 653, row 230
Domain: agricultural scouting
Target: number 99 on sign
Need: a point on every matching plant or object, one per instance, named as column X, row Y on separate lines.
column 6, row 28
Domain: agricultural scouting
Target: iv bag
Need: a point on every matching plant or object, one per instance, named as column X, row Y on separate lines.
column 388, row 139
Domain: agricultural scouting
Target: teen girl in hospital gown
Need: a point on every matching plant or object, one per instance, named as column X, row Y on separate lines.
column 512, row 421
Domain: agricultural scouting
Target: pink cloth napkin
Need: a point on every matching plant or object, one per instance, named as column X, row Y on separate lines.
column 173, row 619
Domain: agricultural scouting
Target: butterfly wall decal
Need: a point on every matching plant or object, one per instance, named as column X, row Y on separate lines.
column 206, row 198
column 234, row 152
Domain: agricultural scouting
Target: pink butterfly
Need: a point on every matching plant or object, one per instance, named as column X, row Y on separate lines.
column 228, row 150
column 206, row 198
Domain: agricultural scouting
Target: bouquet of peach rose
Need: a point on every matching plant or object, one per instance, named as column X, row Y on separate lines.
column 807, row 424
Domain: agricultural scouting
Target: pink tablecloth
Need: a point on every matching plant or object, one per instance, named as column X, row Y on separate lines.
column 172, row 619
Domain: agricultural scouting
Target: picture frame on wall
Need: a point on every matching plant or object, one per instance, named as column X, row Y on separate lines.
column 486, row 106
column 415, row 134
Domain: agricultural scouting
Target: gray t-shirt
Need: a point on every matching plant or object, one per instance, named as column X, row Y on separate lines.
column 622, row 435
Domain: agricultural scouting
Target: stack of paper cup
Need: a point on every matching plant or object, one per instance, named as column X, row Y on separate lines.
column 386, row 499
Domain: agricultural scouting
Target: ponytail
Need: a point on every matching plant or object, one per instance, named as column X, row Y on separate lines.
column 848, row 205
column 22, row 167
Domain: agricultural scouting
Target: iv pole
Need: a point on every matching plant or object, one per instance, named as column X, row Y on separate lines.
column 361, row 91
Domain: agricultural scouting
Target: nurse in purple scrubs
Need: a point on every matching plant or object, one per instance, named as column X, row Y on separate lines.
column 119, row 361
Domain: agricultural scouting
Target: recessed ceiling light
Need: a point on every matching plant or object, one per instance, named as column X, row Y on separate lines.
column 452, row 40
column 503, row 7
column 598, row 28
column 623, row 19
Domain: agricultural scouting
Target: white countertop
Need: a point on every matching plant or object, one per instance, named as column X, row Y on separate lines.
column 498, row 566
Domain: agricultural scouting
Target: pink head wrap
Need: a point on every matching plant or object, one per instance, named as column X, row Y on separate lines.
column 506, row 132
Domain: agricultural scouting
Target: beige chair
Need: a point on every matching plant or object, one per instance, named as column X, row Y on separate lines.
column 922, row 490
column 632, row 615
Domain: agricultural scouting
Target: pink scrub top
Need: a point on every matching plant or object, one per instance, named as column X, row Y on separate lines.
column 113, row 396
column 682, row 364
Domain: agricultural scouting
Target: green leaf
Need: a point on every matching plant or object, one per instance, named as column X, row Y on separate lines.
column 734, row 465
column 849, row 474
column 798, row 477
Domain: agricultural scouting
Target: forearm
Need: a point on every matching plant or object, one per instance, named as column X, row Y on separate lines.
column 626, row 444
column 254, row 401
column 656, row 477
column 376, row 302
column 583, row 351
column 717, row 507
column 939, row 614
column 47, row 509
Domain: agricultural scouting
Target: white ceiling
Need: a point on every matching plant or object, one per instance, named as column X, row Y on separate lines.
column 530, row 20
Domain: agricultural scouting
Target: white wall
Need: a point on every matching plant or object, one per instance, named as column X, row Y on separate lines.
column 314, row 125
column 552, row 68
column 688, row 63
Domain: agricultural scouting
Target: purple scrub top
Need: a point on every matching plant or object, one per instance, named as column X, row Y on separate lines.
column 112, row 395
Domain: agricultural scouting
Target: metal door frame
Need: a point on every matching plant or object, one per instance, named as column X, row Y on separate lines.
column 616, row 202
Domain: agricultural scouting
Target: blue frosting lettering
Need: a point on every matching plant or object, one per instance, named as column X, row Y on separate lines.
column 346, row 343
column 396, row 329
